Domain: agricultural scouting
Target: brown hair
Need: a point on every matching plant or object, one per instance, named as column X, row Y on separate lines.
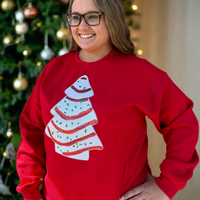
column 115, row 22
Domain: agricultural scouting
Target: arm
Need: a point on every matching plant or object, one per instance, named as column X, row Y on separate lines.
column 174, row 118
column 31, row 153
column 179, row 128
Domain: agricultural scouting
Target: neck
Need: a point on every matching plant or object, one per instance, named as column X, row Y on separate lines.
column 91, row 56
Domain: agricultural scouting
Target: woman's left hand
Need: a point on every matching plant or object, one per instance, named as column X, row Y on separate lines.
column 148, row 191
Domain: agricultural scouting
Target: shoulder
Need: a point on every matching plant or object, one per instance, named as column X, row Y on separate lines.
column 59, row 61
column 138, row 67
column 56, row 65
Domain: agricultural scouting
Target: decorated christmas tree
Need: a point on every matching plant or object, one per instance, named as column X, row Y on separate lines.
column 32, row 32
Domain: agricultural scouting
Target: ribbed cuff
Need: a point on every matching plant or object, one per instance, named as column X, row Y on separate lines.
column 167, row 186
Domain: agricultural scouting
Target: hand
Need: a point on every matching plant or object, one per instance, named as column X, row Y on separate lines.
column 148, row 191
column 41, row 199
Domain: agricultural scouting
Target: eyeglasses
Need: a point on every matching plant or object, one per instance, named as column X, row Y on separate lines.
column 91, row 18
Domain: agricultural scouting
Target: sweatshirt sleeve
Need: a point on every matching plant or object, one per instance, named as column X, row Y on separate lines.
column 179, row 127
column 31, row 153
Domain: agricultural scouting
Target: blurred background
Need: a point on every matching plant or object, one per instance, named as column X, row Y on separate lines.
column 170, row 39
column 32, row 32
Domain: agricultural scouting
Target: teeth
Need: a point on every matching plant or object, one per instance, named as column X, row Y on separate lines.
column 86, row 36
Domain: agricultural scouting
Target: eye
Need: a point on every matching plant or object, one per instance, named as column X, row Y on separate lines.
column 75, row 17
column 92, row 16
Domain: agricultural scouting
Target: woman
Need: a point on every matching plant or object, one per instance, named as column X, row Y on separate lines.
column 83, row 127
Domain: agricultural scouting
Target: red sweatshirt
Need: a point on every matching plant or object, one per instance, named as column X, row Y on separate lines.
column 84, row 131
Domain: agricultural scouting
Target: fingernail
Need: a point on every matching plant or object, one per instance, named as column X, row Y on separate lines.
column 122, row 198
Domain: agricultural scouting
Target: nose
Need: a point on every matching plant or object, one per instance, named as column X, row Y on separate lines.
column 83, row 24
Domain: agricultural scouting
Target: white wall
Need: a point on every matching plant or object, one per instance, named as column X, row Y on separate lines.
column 171, row 40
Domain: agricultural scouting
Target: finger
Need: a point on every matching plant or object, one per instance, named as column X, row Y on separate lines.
column 131, row 193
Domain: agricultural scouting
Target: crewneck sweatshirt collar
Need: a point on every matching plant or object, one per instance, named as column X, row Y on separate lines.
column 81, row 63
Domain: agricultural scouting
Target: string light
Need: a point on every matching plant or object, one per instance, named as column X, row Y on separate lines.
column 17, row 41
column 39, row 24
column 25, row 53
column 134, row 7
column 39, row 64
column 140, row 52
column 4, row 154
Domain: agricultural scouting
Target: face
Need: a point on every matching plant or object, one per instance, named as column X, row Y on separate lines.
column 95, row 39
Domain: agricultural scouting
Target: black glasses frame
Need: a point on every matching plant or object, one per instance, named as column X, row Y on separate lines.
column 83, row 16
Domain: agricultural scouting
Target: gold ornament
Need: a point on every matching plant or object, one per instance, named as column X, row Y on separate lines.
column 8, row 39
column 21, row 28
column 9, row 132
column 20, row 83
column 62, row 34
column 7, row 5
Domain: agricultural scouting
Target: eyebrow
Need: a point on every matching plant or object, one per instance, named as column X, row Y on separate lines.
column 86, row 12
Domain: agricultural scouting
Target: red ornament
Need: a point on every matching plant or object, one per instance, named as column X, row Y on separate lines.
column 30, row 12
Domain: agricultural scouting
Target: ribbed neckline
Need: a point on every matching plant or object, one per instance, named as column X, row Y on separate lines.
column 81, row 63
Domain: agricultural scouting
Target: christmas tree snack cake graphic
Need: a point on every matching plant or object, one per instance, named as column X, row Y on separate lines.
column 71, row 128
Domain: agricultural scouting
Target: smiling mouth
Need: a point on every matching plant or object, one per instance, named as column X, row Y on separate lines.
column 86, row 36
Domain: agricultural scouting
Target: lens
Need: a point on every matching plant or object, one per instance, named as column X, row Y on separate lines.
column 73, row 19
column 92, row 18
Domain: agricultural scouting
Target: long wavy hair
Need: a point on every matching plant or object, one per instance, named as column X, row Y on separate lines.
column 116, row 24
